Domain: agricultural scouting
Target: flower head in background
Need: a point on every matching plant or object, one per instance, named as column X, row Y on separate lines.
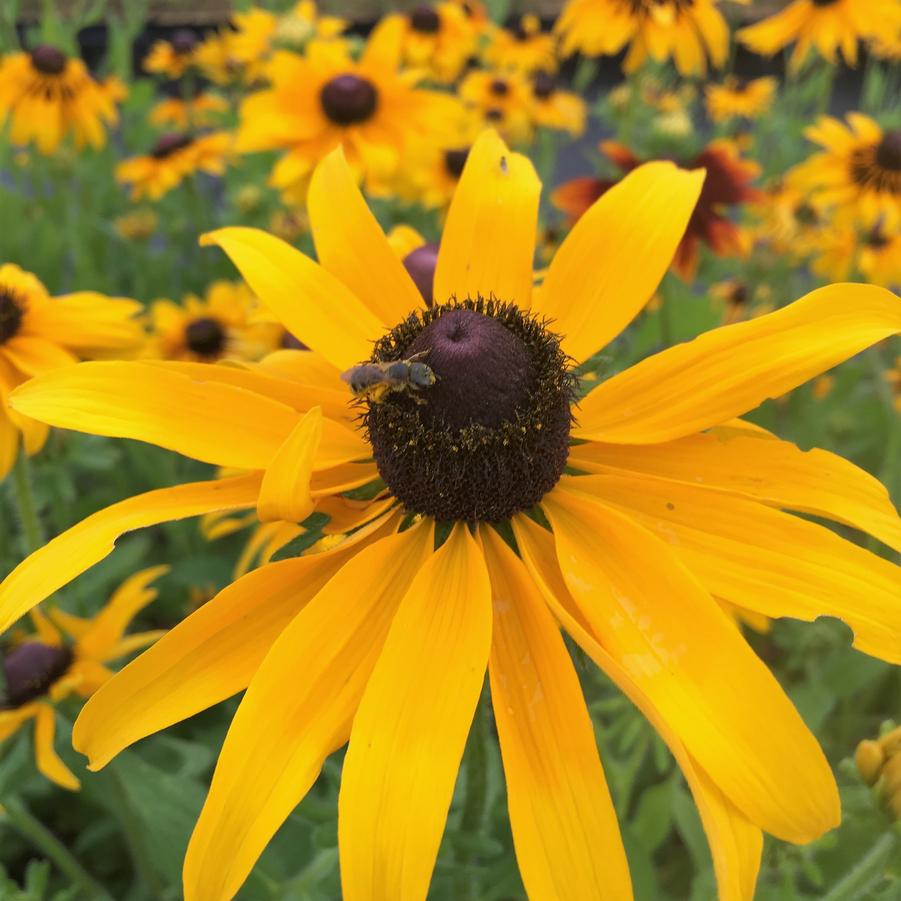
column 555, row 108
column 172, row 58
column 691, row 32
column 740, row 99
column 500, row 100
column 303, row 23
column 625, row 519
column 523, row 46
column 39, row 333
column 237, row 54
column 438, row 38
column 68, row 655
column 879, row 256
column 46, row 96
column 203, row 110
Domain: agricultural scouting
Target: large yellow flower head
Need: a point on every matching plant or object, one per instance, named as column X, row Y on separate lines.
column 67, row 655
column 691, row 32
column 829, row 26
column 46, row 96
column 857, row 175
column 39, row 333
column 510, row 511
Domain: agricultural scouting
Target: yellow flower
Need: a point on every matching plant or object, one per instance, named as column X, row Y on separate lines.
column 733, row 98
column 138, row 225
column 830, row 26
column 303, row 24
column 326, row 99
column 554, row 108
column 219, row 326
column 857, row 174
column 46, row 95
column 689, row 31
column 669, row 502
column 879, row 257
column 886, row 45
column 879, row 764
column 172, row 58
column 501, row 100
column 68, row 655
column 236, row 55
column 439, row 38
column 174, row 157
column 738, row 301
column 39, row 333
column 523, row 47
column 197, row 112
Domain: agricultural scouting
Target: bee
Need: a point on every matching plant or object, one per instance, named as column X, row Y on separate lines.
column 373, row 381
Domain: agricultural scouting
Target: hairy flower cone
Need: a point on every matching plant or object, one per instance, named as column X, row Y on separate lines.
column 31, row 668
column 349, row 99
column 888, row 153
column 11, row 314
column 490, row 437
column 48, row 60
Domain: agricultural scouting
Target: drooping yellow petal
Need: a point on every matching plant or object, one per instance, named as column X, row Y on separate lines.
column 765, row 560
column 567, row 839
column 210, row 655
column 758, row 465
column 610, row 264
column 280, row 738
column 312, row 304
column 13, row 720
column 489, row 238
column 351, row 245
column 735, row 843
column 33, row 355
column 410, row 729
column 730, row 370
column 682, row 650
column 285, row 492
column 90, row 323
column 79, row 548
column 45, row 755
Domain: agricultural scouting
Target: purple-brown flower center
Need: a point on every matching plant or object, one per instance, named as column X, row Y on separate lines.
column 12, row 311
column 543, row 85
column 888, row 153
column 421, row 263
column 349, row 99
column 499, row 87
column 455, row 160
column 425, row 19
column 31, row 668
column 169, row 144
column 48, row 60
column 183, row 41
column 206, row 337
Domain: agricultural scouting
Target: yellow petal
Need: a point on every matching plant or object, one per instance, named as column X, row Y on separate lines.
column 758, row 465
column 309, row 302
column 79, row 548
column 682, row 650
column 13, row 720
column 489, row 238
column 765, row 560
column 730, row 370
column 735, row 843
column 610, row 264
column 33, row 355
column 410, row 729
column 565, row 832
column 351, row 245
column 210, row 655
column 45, row 755
column 87, row 322
column 279, row 739
column 285, row 492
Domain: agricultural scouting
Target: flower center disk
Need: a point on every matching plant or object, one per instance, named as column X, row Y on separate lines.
column 31, row 668
column 425, row 20
column 11, row 313
column 490, row 437
column 348, row 99
column 48, row 60
column 205, row 336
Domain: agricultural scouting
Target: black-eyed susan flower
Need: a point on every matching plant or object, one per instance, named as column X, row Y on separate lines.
column 39, row 332
column 174, row 157
column 304, row 23
column 555, row 108
column 626, row 539
column 740, row 99
column 738, row 300
column 523, row 46
column 857, row 174
column 501, row 100
column 829, row 26
column 326, row 98
column 691, row 32
column 879, row 257
column 46, row 95
column 437, row 37
column 136, row 225
column 67, row 655
column 236, row 55
column 200, row 111
column 218, row 326
column 172, row 58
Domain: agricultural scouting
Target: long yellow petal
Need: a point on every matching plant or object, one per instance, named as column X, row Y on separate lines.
column 488, row 242
column 410, row 729
column 285, row 492
column 351, row 245
column 79, row 548
column 210, row 655
column 565, row 831
column 730, row 370
column 682, row 650
column 45, row 756
column 310, row 303
column 766, row 560
column 760, row 466
column 280, row 738
column 735, row 843
column 612, row 261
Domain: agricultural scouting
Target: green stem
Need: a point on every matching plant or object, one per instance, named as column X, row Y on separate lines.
column 32, row 829
column 32, row 530
column 474, row 802
column 858, row 884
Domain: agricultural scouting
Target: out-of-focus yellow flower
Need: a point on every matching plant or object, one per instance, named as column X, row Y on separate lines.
column 677, row 124
column 523, row 47
column 439, row 38
column 785, row 218
column 501, row 100
column 236, row 55
column 738, row 300
column 886, row 45
column 879, row 765
column 691, row 32
column 857, row 174
column 221, row 325
column 555, row 108
column 174, row 157
column 822, row 386
column 290, row 223
column 137, row 225
column 172, row 58
column 734, row 98
column 46, row 96
column 197, row 112
column 304, row 23
column 830, row 26
column 879, row 257
column 68, row 655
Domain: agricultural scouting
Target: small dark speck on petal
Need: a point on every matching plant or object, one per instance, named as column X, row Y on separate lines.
column 670, row 505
